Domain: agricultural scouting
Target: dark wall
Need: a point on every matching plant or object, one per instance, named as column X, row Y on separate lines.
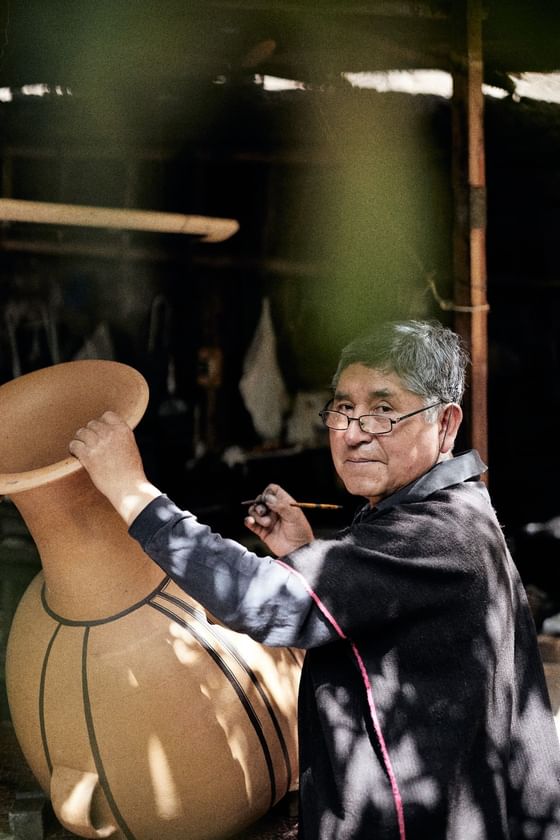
column 345, row 208
column 343, row 203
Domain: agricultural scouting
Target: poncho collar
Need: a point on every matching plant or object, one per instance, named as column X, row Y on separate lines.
column 464, row 467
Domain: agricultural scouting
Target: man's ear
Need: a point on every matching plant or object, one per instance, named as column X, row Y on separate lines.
column 449, row 422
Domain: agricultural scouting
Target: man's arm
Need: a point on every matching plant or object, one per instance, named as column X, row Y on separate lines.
column 255, row 595
column 107, row 448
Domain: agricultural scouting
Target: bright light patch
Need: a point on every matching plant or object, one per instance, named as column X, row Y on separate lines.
column 185, row 652
column 276, row 83
column 494, row 92
column 132, row 679
column 35, row 90
column 542, row 86
column 9, row 94
column 436, row 82
column 166, row 795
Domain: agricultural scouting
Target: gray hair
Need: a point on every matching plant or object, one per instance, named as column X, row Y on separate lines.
column 429, row 359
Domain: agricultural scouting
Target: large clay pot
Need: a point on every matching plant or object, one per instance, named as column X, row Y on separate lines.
column 139, row 715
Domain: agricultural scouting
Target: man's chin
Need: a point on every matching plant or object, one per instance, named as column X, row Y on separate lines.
column 367, row 489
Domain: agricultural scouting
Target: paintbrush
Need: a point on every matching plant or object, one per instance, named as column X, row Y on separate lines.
column 308, row 505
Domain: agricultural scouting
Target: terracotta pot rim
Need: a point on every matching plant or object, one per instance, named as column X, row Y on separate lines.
column 17, row 482
column 20, row 481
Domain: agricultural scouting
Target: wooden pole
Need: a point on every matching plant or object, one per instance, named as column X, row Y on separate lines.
column 469, row 236
column 44, row 212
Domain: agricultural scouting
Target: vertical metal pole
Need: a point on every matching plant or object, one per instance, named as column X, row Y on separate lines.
column 469, row 236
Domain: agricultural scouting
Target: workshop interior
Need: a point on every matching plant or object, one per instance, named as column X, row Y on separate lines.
column 221, row 194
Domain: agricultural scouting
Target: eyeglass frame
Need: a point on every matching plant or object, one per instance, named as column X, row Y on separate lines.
column 392, row 421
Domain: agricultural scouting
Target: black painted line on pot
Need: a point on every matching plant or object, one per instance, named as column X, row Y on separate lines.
column 238, row 688
column 215, row 631
column 42, row 681
column 103, row 780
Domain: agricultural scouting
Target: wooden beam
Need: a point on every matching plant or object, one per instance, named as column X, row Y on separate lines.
column 379, row 8
column 44, row 212
column 469, row 236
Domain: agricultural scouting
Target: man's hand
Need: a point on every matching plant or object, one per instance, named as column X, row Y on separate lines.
column 282, row 527
column 107, row 449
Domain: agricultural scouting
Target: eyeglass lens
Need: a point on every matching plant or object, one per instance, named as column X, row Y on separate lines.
column 373, row 424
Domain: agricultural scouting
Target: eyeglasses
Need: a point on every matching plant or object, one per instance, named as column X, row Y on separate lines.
column 372, row 424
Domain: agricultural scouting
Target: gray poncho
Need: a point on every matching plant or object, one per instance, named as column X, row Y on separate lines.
column 423, row 707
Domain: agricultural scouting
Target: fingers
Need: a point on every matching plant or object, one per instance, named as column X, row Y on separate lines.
column 112, row 419
column 259, row 514
column 89, row 433
column 96, row 431
column 86, row 437
column 274, row 519
column 273, row 500
column 277, row 501
column 253, row 526
column 76, row 447
column 260, row 519
column 107, row 422
column 270, row 506
column 259, row 507
column 100, row 426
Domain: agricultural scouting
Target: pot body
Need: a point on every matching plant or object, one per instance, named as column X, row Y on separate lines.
column 139, row 714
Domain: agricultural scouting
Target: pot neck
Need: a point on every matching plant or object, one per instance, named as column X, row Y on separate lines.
column 92, row 567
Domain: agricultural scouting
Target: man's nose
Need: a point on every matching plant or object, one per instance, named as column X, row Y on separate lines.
column 354, row 433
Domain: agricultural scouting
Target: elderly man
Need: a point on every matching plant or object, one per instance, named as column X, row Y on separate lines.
column 423, row 709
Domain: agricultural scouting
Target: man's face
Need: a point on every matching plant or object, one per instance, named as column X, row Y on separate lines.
column 375, row 466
